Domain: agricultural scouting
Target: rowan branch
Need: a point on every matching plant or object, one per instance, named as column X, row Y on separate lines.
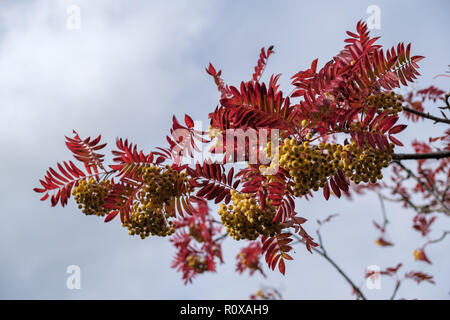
column 418, row 156
column 426, row 115
column 444, row 234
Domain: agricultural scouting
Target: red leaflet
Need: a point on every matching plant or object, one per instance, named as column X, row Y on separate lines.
column 111, row 215
column 340, row 182
column 371, row 140
column 369, row 117
column 419, row 277
column 230, row 176
column 189, row 121
column 387, row 123
column 281, row 265
column 383, row 242
column 394, row 140
column 419, row 254
column 314, row 65
column 211, row 70
column 397, row 129
column 335, row 188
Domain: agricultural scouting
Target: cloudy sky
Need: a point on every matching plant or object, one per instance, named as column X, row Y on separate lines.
column 124, row 73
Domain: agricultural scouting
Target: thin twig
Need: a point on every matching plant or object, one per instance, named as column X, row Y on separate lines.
column 444, row 234
column 431, row 185
column 418, row 156
column 320, row 242
column 426, row 115
column 397, row 286
column 430, row 191
column 221, row 237
column 383, row 211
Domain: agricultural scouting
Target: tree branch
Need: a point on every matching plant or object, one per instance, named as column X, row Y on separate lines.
column 430, row 191
column 426, row 115
column 397, row 286
column 418, row 156
column 444, row 234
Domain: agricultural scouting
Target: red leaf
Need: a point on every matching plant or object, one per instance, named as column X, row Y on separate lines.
column 369, row 117
column 371, row 140
column 335, row 188
column 397, row 142
column 189, row 122
column 341, row 183
column 281, row 266
column 397, row 128
column 230, row 176
column 326, row 191
column 210, row 70
column 111, row 216
column 314, row 65
column 45, row 197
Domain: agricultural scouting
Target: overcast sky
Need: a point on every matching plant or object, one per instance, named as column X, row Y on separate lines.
column 124, row 73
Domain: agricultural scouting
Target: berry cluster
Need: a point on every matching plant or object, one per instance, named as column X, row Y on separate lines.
column 244, row 219
column 364, row 164
column 163, row 185
column 90, row 196
column 308, row 165
column 195, row 233
column 386, row 101
column 149, row 215
column 252, row 264
column 145, row 220
column 198, row 264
